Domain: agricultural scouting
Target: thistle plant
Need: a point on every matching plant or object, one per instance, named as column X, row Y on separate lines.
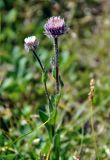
column 54, row 28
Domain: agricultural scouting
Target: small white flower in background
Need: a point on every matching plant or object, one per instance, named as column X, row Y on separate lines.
column 36, row 141
column 30, row 43
column 23, row 122
column 107, row 150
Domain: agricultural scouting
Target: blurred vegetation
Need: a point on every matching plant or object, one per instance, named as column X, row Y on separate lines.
column 84, row 53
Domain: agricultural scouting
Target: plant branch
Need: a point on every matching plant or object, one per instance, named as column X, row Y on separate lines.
column 43, row 70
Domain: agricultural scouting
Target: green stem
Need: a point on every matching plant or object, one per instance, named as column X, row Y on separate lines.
column 38, row 59
column 93, row 131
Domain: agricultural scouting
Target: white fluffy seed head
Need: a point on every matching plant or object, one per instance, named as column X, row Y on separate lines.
column 30, row 43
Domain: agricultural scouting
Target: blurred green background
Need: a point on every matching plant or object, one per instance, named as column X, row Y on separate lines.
column 84, row 53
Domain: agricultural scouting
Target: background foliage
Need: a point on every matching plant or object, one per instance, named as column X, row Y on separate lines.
column 84, row 53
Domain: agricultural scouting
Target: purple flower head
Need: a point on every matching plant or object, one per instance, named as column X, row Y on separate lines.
column 30, row 43
column 55, row 27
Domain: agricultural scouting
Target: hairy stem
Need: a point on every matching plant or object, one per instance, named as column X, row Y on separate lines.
column 43, row 70
column 56, row 63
